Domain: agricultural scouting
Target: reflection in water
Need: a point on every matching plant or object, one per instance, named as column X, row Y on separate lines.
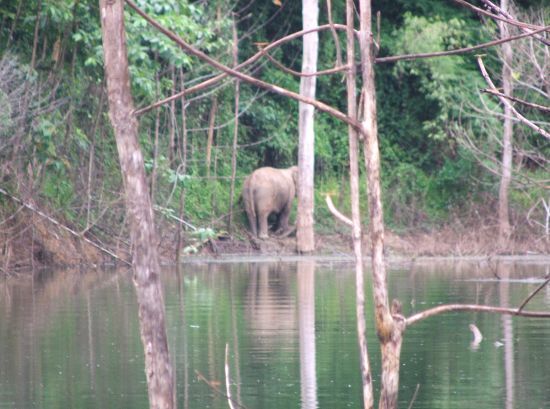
column 504, row 272
column 71, row 339
column 270, row 308
column 306, row 320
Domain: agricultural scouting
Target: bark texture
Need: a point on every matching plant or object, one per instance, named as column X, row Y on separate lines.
column 140, row 213
column 389, row 331
column 506, row 174
column 351, row 78
column 305, row 238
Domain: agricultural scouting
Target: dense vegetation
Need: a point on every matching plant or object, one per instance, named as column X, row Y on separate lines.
column 439, row 140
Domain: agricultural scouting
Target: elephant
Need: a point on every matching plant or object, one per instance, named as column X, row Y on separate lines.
column 269, row 191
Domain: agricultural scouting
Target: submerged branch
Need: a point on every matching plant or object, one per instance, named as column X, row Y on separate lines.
column 530, row 296
column 474, row 308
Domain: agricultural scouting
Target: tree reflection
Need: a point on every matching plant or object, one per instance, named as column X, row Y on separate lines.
column 504, row 272
column 306, row 322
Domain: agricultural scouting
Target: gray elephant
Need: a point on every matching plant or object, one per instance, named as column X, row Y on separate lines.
column 269, row 191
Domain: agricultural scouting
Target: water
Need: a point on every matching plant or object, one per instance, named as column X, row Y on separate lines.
column 70, row 339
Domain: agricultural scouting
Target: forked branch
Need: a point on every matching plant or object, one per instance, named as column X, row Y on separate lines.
column 237, row 74
column 507, row 103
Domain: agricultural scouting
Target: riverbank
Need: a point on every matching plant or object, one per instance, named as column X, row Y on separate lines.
column 46, row 244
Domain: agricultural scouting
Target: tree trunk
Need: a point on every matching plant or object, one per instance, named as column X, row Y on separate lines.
column 210, row 141
column 235, row 128
column 389, row 330
column 145, row 261
column 506, row 173
column 181, row 211
column 155, row 142
column 305, row 240
column 351, row 77
column 172, row 129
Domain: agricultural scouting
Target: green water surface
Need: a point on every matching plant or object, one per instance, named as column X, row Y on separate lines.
column 70, row 339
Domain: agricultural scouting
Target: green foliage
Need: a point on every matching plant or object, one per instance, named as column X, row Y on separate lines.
column 426, row 171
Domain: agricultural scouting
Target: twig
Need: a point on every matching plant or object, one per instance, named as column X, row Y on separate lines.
column 521, row 101
column 336, row 213
column 215, row 388
column 540, row 287
column 414, row 395
column 507, row 103
column 459, row 50
column 52, row 220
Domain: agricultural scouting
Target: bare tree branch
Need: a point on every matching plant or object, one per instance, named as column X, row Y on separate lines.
column 527, row 122
column 234, row 71
column 334, row 35
column 524, row 26
column 530, row 297
column 506, row 19
column 336, row 213
column 521, row 101
column 33, row 208
column 459, row 50
column 473, row 308
column 334, row 70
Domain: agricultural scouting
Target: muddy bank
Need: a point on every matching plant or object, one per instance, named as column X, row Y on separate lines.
column 34, row 242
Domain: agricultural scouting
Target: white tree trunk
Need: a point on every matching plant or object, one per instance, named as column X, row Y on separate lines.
column 506, row 173
column 305, row 240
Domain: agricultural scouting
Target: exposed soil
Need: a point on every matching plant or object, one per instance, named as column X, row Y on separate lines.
column 30, row 241
column 447, row 241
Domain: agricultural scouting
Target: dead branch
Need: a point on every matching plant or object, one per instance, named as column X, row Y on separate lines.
column 511, row 20
column 507, row 103
column 334, row 35
column 504, row 18
column 234, row 71
column 213, row 386
column 336, row 213
column 71, row 231
column 521, row 101
column 459, row 50
column 530, row 296
column 473, row 308
column 414, row 396
column 340, row 68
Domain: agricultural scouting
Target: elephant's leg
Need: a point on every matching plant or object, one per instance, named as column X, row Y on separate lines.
column 283, row 220
column 263, row 226
column 252, row 222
